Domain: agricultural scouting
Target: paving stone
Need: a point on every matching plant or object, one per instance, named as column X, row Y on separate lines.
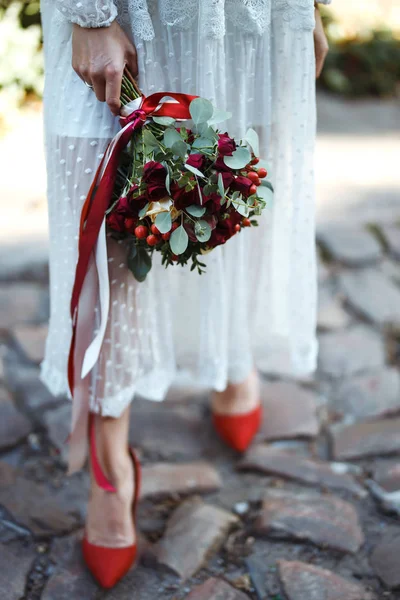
column 193, row 532
column 365, row 439
column 14, row 426
column 388, row 475
column 287, row 464
column 21, row 303
column 168, row 432
column 216, row 589
column 70, row 577
column 25, row 383
column 372, row 295
column 15, row 564
column 365, row 396
column 303, row 581
column 389, row 501
column 21, row 264
column 32, row 506
column 58, row 424
column 288, row 411
column 346, row 353
column 163, row 479
column 352, row 246
column 385, row 561
column 390, row 269
column 327, row 521
column 331, row 314
column 32, row 340
column 322, row 271
column 392, row 238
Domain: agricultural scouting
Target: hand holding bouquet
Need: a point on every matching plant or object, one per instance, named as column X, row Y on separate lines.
column 181, row 188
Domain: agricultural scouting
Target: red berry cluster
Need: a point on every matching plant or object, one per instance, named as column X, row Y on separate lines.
column 152, row 235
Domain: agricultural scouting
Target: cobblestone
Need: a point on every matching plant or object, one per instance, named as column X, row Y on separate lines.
column 308, row 582
column 273, row 461
column 194, row 531
column 326, row 521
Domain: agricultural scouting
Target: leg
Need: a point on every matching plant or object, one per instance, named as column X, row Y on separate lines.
column 109, row 522
column 238, row 398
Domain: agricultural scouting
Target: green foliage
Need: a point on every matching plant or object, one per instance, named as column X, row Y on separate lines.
column 366, row 64
column 21, row 61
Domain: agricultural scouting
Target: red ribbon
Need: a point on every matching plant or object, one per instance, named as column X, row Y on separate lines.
column 98, row 198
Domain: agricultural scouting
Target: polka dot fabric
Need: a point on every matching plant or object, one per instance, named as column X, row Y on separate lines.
column 257, row 301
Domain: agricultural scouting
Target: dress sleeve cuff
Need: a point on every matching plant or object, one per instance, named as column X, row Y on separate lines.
column 88, row 14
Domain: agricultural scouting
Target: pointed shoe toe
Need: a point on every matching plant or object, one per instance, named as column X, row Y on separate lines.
column 108, row 565
column 238, row 431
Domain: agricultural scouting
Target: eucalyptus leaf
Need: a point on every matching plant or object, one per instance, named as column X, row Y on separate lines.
column 203, row 142
column 149, row 140
column 239, row 159
column 206, row 131
column 168, row 183
column 139, row 262
column 221, row 188
column 265, row 192
column 164, row 120
column 201, row 110
column 202, row 231
column 219, row 116
column 268, row 184
column 209, row 188
column 163, row 222
column 251, row 138
column 194, row 170
column 144, row 211
column 241, row 207
column 179, row 149
column 179, row 240
column 195, row 210
column 171, row 137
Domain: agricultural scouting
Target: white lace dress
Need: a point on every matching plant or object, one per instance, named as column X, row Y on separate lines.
column 257, row 302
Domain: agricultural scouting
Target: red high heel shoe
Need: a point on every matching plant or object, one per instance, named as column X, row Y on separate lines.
column 109, row 565
column 239, row 430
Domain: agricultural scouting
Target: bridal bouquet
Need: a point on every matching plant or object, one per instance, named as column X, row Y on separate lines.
column 174, row 183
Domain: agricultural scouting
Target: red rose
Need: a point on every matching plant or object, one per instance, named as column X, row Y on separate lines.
column 182, row 198
column 116, row 221
column 196, row 160
column 225, row 228
column 226, row 145
column 212, row 202
column 221, row 167
column 242, row 184
column 154, row 175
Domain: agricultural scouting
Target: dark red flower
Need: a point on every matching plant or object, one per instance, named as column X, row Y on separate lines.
column 242, row 184
column 225, row 228
column 212, row 202
column 221, row 167
column 182, row 198
column 116, row 221
column 197, row 161
column 226, row 145
column 154, row 175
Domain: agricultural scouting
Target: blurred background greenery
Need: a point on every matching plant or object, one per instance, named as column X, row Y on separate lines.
column 364, row 59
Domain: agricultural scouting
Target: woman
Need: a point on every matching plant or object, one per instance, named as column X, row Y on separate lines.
column 255, row 307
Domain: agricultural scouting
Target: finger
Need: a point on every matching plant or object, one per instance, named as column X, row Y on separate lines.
column 99, row 87
column 132, row 63
column 113, row 88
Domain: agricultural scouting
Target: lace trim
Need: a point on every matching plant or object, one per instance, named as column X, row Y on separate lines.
column 251, row 16
column 298, row 13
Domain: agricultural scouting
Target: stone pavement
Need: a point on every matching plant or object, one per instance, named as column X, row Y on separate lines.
column 310, row 512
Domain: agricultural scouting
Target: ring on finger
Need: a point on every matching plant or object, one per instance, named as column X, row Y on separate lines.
column 88, row 85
